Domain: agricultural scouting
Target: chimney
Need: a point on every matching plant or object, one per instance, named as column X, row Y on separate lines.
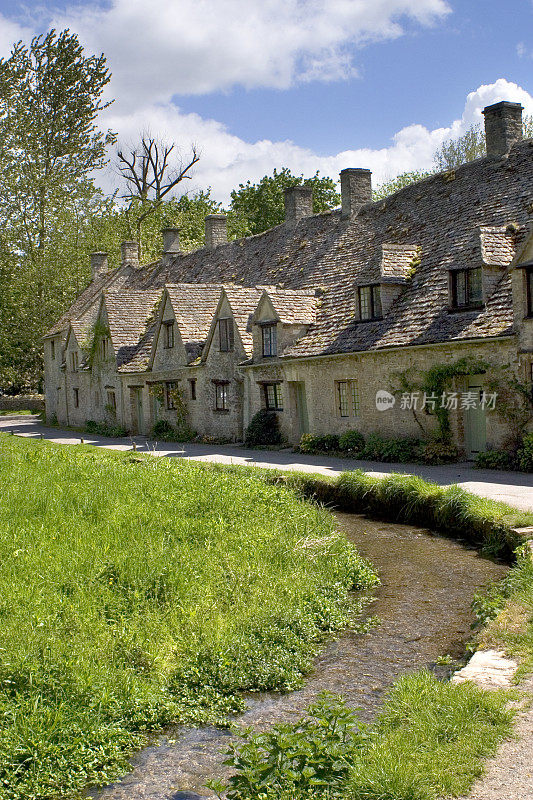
column 98, row 263
column 130, row 253
column 216, row 230
column 171, row 241
column 503, row 127
column 298, row 203
column 356, row 190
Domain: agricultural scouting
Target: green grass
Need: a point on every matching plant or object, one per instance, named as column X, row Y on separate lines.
column 428, row 742
column 139, row 591
column 7, row 413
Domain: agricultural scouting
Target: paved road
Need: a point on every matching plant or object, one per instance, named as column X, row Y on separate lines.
column 515, row 488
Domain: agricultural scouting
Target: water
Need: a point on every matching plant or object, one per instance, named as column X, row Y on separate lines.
column 428, row 584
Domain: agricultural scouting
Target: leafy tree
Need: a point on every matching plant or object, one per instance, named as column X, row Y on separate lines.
column 399, row 182
column 470, row 146
column 260, row 205
column 50, row 97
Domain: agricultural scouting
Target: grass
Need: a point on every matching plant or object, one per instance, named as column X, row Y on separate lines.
column 8, row 413
column 139, row 591
column 487, row 524
column 428, row 741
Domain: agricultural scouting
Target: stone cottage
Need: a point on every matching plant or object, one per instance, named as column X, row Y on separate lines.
column 320, row 317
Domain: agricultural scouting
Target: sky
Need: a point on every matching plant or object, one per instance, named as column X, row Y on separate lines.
column 307, row 84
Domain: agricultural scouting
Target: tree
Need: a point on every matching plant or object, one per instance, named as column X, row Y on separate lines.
column 399, row 182
column 50, row 97
column 150, row 177
column 260, row 206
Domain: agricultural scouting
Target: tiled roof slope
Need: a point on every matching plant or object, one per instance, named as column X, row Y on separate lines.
column 194, row 306
column 131, row 318
column 497, row 245
column 442, row 215
column 397, row 260
column 243, row 302
column 293, row 307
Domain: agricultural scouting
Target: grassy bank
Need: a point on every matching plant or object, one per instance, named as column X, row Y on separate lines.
column 427, row 743
column 135, row 592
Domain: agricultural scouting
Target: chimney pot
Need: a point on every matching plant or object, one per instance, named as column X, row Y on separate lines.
column 503, row 127
column 98, row 263
column 356, row 190
column 171, row 241
column 298, row 202
column 216, row 230
column 130, row 253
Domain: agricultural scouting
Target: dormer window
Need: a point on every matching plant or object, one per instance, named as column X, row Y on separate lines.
column 52, row 350
column 529, row 291
column 466, row 288
column 104, row 348
column 270, row 340
column 74, row 360
column 168, row 334
column 225, row 333
column 370, row 302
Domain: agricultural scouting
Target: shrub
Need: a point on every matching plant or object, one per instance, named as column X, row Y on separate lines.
column 495, row 459
column 402, row 450
column 439, row 451
column 374, row 448
column 319, row 444
column 351, row 442
column 263, row 429
column 103, row 429
column 164, row 430
column 525, row 454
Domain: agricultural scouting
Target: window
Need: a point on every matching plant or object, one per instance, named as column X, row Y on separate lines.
column 76, row 393
column 104, row 347
column 170, row 387
column 74, row 360
column 529, row 290
column 369, row 302
column 169, row 334
column 52, row 349
column 225, row 333
column 342, row 391
column 270, row 340
column 347, row 398
column 192, row 384
column 466, row 288
column 273, row 396
column 221, row 397
column 111, row 400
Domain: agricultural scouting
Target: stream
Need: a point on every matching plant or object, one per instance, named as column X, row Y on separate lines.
column 428, row 583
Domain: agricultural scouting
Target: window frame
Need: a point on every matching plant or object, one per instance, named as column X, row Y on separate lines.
column 168, row 339
column 111, row 398
column 374, row 302
column 76, row 393
column 269, row 340
column 226, row 335
column 469, row 304
column 352, row 400
column 221, row 396
column 529, row 291
column 52, row 350
column 275, row 401
column 74, row 360
column 192, row 388
column 169, row 402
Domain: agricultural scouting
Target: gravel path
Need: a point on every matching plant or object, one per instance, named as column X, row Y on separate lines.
column 509, row 775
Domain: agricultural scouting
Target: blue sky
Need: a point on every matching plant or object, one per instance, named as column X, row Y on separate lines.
column 311, row 84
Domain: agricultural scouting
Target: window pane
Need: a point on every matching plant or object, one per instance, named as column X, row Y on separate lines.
column 355, row 398
column 269, row 340
column 365, row 307
column 342, row 389
column 223, row 333
column 271, row 395
column 279, row 396
column 475, row 287
column 460, row 288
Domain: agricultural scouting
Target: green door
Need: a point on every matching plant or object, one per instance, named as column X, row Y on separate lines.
column 474, row 419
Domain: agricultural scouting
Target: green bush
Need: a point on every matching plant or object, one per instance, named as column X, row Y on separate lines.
column 164, row 430
column 103, row 429
column 439, row 451
column 319, row 444
column 495, row 459
column 525, row 453
column 374, row 448
column 352, row 442
column 263, row 429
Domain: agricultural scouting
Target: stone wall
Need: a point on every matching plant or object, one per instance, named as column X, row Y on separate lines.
column 22, row 402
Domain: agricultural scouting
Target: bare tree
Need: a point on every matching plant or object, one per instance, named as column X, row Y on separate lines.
column 150, row 177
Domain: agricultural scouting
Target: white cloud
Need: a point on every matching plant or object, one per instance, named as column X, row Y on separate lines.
column 170, row 47
column 523, row 51
column 227, row 160
column 11, row 32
